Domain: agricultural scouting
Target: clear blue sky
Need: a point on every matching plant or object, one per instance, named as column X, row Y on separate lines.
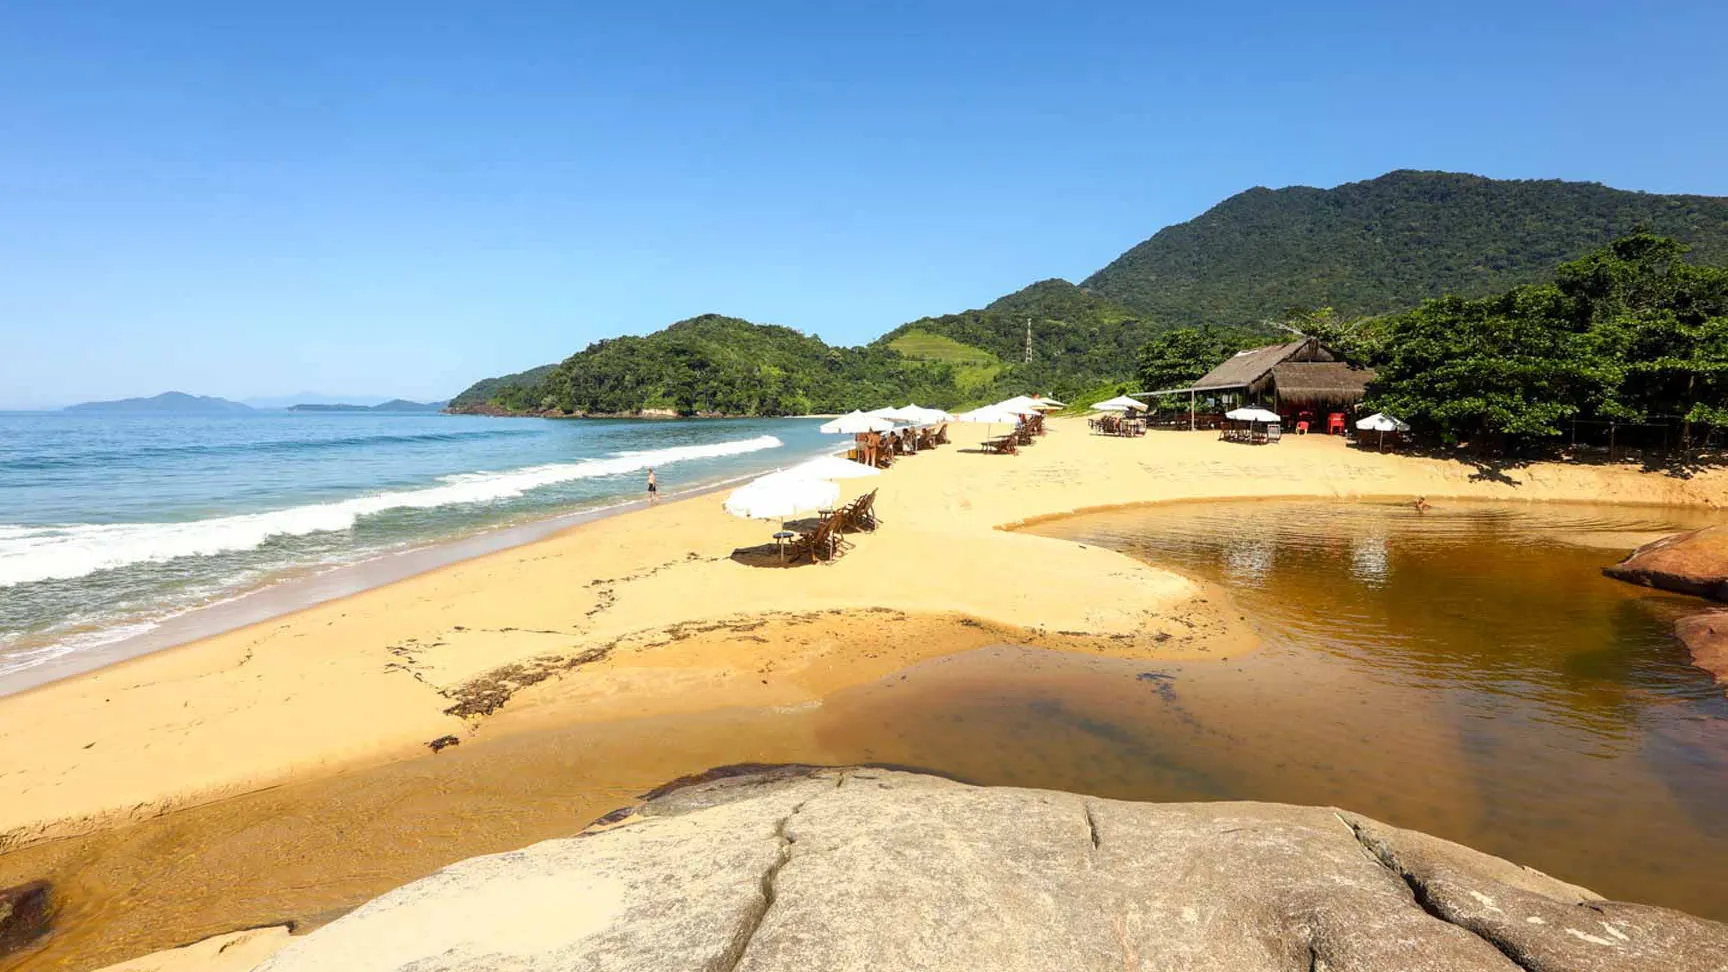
column 397, row 198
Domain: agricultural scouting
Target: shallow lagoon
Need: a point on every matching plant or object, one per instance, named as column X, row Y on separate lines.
column 1465, row 671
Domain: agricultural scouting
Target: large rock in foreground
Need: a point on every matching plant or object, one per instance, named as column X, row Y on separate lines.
column 1706, row 637
column 810, row 870
column 1689, row 563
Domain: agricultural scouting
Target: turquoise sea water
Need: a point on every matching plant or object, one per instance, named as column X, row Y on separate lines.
column 111, row 524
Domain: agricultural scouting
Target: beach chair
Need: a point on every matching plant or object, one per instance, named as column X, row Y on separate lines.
column 822, row 541
column 860, row 514
column 942, row 434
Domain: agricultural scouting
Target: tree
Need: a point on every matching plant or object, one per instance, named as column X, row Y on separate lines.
column 1513, row 365
column 1358, row 340
column 1176, row 358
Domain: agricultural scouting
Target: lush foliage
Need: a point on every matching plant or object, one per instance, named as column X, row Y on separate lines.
column 506, row 391
column 1387, row 244
column 713, row 365
column 1176, row 358
column 1630, row 333
column 1617, row 335
column 1078, row 339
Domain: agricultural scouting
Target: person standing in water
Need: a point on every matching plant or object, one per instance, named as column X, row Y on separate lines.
column 653, row 487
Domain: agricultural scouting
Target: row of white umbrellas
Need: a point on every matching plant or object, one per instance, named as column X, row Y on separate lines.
column 885, row 420
column 811, row 485
column 1010, row 410
column 786, row 493
column 1378, row 422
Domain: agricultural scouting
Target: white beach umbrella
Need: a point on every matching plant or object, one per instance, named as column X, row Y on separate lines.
column 780, row 495
column 1381, row 422
column 925, row 416
column 905, row 414
column 1252, row 414
column 1049, row 403
column 989, row 415
column 855, row 422
column 1121, row 403
column 1018, row 408
column 1025, row 404
column 833, row 467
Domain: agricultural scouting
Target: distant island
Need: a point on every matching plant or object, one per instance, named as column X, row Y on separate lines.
column 393, row 405
column 167, row 403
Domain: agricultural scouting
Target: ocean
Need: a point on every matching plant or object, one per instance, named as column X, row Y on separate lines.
column 112, row 526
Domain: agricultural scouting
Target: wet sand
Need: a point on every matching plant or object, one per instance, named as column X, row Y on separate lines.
column 649, row 617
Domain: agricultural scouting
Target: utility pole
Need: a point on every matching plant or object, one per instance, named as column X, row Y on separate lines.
column 1028, row 340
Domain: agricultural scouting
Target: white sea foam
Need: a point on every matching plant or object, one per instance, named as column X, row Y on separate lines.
column 35, row 553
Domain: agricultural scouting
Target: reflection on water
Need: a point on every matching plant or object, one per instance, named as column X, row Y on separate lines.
column 1467, row 672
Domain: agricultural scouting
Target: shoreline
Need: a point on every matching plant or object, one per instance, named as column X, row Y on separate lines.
column 324, row 583
column 587, row 623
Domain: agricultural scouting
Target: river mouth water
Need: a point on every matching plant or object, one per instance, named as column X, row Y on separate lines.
column 1465, row 671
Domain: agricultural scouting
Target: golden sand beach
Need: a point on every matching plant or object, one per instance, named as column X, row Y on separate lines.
column 586, row 625
column 651, row 614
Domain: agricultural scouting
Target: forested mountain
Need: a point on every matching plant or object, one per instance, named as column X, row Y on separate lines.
column 501, row 389
column 1366, row 248
column 1077, row 338
column 1387, row 244
column 714, row 365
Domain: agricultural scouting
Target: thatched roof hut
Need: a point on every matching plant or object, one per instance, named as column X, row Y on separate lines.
column 1320, row 384
column 1251, row 371
column 1296, row 374
column 1293, row 376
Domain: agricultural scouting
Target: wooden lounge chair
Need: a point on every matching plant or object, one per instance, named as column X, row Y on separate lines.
column 823, row 541
column 1002, row 445
column 942, row 434
column 860, row 514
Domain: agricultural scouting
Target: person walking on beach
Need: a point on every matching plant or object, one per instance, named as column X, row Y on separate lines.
column 653, row 487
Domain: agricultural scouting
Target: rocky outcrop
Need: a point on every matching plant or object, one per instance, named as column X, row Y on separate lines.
column 1688, row 563
column 807, row 869
column 238, row 951
column 1706, row 637
column 25, row 913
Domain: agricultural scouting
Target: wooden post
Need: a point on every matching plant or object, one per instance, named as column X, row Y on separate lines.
column 1190, row 409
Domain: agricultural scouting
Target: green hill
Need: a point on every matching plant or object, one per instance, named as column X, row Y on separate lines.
column 715, row 365
column 1365, row 248
column 1078, row 338
column 506, row 391
column 1387, row 244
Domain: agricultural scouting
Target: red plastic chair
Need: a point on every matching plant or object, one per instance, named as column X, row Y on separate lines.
column 1335, row 423
column 1302, row 428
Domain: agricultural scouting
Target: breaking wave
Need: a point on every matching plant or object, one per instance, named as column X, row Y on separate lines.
column 60, row 552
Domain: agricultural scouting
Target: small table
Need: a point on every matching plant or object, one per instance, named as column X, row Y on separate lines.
column 780, row 538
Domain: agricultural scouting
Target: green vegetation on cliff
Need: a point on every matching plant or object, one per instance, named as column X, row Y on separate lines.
column 1387, row 244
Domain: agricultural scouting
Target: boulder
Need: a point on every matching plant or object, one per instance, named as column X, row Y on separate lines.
column 238, row 951
column 862, row 869
column 25, row 913
column 1706, row 637
column 1689, row 563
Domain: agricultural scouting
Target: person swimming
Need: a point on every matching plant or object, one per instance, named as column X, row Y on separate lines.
column 1421, row 504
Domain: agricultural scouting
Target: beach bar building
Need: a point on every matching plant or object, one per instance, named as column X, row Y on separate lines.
column 1300, row 380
